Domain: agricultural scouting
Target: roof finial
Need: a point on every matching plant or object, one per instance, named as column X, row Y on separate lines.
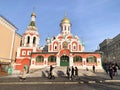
column 33, row 9
column 65, row 14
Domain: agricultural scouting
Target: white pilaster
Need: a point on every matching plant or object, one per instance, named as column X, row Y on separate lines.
column 84, row 62
column 45, row 61
column 58, row 61
column 70, row 60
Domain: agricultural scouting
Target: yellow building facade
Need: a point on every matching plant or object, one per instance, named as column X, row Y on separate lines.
column 9, row 42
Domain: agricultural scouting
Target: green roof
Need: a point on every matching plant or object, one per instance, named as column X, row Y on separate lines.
column 32, row 23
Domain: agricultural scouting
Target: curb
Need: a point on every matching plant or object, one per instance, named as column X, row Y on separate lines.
column 112, row 81
column 33, row 83
column 81, row 82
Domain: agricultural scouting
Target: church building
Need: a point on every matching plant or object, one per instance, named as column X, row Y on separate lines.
column 65, row 49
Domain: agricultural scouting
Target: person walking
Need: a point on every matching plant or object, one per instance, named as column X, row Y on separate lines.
column 50, row 76
column 68, row 72
column 115, row 70
column 111, row 72
column 72, row 72
column 23, row 77
column 94, row 68
column 76, row 72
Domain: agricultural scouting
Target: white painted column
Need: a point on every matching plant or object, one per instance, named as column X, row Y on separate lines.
column 58, row 61
column 99, row 64
column 70, row 60
column 45, row 61
column 31, row 41
column 32, row 63
column 84, row 63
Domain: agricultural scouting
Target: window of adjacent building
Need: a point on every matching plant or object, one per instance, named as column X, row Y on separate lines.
column 34, row 40
column 21, row 43
column 28, row 39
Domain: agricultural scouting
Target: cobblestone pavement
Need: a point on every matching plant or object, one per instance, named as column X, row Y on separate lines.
column 84, row 77
column 85, row 81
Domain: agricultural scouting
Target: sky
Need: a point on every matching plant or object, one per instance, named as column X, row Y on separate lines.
column 92, row 20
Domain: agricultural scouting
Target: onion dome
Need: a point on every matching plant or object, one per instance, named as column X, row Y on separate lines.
column 33, row 14
column 48, row 40
column 32, row 23
column 65, row 20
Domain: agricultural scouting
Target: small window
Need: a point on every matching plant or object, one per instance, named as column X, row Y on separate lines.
column 23, row 52
column 74, row 47
column 29, row 52
column 55, row 47
column 28, row 39
column 65, row 27
column 34, row 40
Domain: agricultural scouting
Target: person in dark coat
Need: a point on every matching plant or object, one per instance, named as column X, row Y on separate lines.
column 68, row 72
column 115, row 70
column 72, row 72
column 94, row 68
column 76, row 72
column 111, row 72
column 51, row 69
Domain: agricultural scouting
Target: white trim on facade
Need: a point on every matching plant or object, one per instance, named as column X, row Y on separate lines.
column 7, row 24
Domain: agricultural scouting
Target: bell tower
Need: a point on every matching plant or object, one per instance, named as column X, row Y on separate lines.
column 31, row 36
column 65, row 26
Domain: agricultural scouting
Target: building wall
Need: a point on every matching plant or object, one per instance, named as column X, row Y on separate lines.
column 17, row 43
column 111, row 49
column 7, row 37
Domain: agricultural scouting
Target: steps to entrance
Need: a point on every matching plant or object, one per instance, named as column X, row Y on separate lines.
column 59, row 72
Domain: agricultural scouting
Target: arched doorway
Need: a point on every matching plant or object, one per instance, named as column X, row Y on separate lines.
column 64, row 61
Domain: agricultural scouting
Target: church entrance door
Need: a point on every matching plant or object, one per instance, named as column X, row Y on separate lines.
column 64, row 61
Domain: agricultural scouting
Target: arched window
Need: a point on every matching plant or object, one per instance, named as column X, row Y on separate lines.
column 91, row 59
column 39, row 59
column 34, row 40
column 65, row 27
column 74, row 46
column 51, row 59
column 55, row 46
column 21, row 43
column 28, row 39
column 77, row 59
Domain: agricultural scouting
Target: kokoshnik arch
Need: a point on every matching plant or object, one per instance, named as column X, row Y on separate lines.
column 65, row 49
